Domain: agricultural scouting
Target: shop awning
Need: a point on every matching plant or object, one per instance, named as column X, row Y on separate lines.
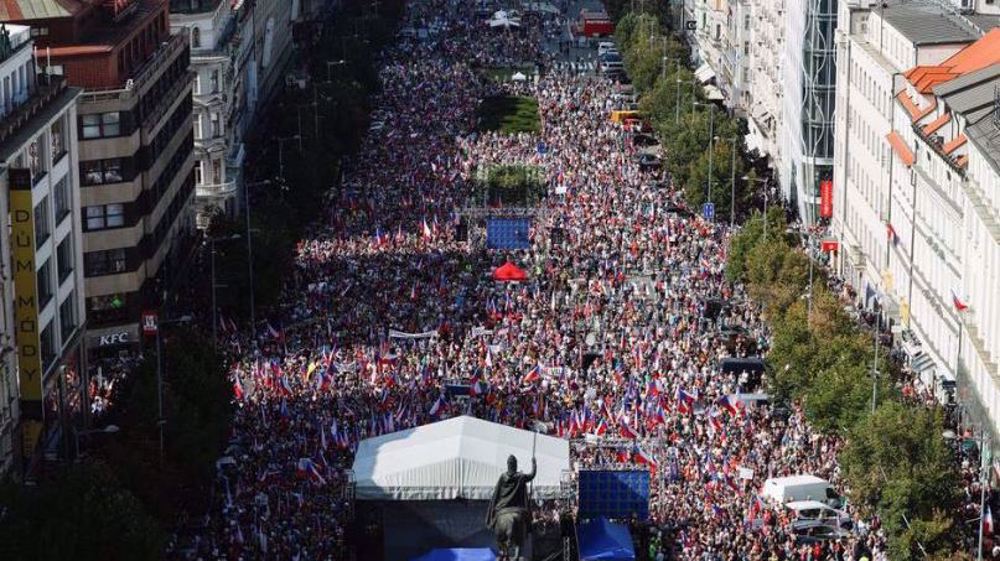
column 899, row 146
column 713, row 93
column 704, row 73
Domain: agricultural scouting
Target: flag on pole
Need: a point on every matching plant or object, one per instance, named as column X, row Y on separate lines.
column 306, row 468
column 437, row 406
column 988, row 521
column 532, row 375
column 730, row 403
column 426, row 230
column 960, row 306
column 238, row 389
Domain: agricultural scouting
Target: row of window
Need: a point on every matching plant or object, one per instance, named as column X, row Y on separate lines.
column 63, row 208
column 157, row 94
column 118, row 260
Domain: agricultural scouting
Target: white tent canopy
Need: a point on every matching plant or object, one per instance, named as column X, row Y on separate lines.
column 460, row 457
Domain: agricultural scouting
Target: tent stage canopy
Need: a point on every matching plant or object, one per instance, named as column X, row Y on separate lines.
column 458, row 458
column 509, row 272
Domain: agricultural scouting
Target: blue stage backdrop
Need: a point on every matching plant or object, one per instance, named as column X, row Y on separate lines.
column 507, row 233
column 614, row 494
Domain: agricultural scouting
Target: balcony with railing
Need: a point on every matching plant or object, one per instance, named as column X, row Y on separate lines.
column 178, row 41
column 46, row 90
column 216, row 190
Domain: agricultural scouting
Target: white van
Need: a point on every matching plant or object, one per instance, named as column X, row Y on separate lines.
column 801, row 488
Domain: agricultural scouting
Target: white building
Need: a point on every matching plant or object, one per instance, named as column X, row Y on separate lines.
column 762, row 102
column 915, row 83
column 748, row 46
column 42, row 309
column 211, row 26
column 240, row 52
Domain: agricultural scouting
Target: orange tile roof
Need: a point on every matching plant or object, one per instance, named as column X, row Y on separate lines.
column 954, row 143
column 982, row 53
column 900, row 148
column 936, row 124
column 915, row 112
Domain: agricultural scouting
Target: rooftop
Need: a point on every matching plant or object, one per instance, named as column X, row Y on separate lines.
column 22, row 10
column 981, row 54
column 974, row 95
column 928, row 23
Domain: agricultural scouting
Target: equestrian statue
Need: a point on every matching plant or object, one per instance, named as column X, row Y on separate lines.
column 509, row 516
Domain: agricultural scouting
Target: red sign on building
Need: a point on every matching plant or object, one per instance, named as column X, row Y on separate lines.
column 826, row 198
column 149, row 323
column 829, row 246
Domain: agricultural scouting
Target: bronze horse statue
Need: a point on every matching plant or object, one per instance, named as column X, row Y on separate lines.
column 509, row 515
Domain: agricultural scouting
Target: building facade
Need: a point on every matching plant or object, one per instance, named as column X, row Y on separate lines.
column 211, row 26
column 239, row 53
column 916, row 222
column 743, row 48
column 135, row 128
column 43, row 398
column 805, row 131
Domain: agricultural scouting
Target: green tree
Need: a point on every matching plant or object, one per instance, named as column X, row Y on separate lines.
column 723, row 193
column 897, row 462
column 81, row 513
column 749, row 236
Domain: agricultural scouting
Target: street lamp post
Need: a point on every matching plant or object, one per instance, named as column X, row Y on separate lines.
column 711, row 145
column 751, row 179
column 732, row 189
column 160, row 419
column 215, row 309
column 246, row 196
column 281, row 152
column 331, row 63
column 677, row 97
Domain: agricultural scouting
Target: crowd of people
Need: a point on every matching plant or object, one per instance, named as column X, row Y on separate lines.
column 613, row 335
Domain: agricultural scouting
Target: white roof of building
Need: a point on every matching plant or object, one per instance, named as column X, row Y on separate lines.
column 460, row 457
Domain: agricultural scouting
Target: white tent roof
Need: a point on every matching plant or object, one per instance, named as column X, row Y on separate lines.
column 460, row 457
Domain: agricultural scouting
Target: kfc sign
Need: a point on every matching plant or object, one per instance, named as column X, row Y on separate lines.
column 120, row 338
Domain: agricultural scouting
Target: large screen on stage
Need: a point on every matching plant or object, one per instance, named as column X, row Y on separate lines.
column 614, row 494
column 507, row 233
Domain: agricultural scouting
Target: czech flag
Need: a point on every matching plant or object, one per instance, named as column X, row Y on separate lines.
column 626, row 430
column 601, row 428
column 988, row 521
column 730, row 403
column 306, row 468
column 426, row 230
column 653, row 388
column 533, row 375
column 959, row 305
column 642, row 457
column 685, row 400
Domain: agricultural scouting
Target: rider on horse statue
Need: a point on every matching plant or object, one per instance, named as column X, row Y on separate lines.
column 509, row 515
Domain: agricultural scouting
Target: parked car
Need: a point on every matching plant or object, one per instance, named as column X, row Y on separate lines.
column 820, row 533
column 806, row 514
column 605, row 47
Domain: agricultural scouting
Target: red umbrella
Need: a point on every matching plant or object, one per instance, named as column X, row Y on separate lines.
column 509, row 272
